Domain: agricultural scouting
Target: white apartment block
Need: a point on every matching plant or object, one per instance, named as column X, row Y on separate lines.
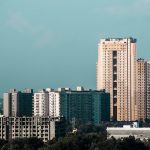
column 46, row 102
column 116, row 72
column 54, row 104
column 41, row 103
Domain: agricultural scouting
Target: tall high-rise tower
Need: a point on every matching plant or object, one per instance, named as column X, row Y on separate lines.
column 148, row 90
column 116, row 72
column 143, row 89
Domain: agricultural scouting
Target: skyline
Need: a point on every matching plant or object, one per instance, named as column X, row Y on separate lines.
column 54, row 44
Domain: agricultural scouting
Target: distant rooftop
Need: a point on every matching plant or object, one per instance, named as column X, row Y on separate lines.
column 140, row 59
column 78, row 89
column 119, row 39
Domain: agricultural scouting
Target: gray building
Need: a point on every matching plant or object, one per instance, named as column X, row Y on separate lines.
column 45, row 128
column 17, row 103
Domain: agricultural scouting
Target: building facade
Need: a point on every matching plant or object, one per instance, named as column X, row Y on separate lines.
column 17, row 103
column 143, row 89
column 116, row 72
column 148, row 90
column 85, row 106
column 45, row 128
column 141, row 92
column 54, row 104
column 41, row 103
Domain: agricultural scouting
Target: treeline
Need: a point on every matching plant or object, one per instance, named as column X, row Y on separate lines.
column 87, row 137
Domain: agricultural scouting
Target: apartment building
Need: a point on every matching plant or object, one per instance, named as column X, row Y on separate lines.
column 148, row 90
column 45, row 128
column 143, row 89
column 116, row 72
column 85, row 106
column 17, row 103
column 41, row 103
column 54, row 104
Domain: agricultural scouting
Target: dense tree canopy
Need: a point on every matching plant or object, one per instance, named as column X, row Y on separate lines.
column 22, row 144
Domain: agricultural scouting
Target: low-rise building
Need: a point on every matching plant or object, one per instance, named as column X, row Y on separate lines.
column 45, row 128
column 129, row 130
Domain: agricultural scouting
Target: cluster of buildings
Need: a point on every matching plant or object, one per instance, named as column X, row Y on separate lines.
column 123, row 94
column 85, row 106
column 29, row 114
column 125, row 77
column 18, row 120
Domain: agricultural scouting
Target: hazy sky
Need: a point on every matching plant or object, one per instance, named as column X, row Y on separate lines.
column 53, row 43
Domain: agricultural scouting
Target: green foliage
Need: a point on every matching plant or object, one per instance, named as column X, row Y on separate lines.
column 91, row 129
column 23, row 144
column 2, row 142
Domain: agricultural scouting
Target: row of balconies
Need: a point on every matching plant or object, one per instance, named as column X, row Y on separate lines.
column 30, row 135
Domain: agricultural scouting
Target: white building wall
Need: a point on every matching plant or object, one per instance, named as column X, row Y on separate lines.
column 54, row 104
column 6, row 104
column 41, row 103
column 138, row 133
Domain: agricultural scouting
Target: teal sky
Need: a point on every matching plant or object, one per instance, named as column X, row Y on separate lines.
column 53, row 43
